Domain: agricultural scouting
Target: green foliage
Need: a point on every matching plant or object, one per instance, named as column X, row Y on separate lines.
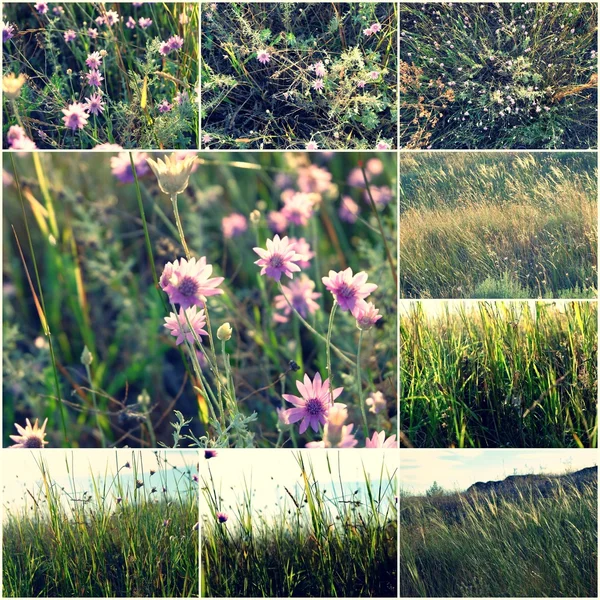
column 498, row 75
column 313, row 546
column 74, row 544
column 275, row 105
column 131, row 62
column 500, row 375
column 530, row 546
column 498, row 226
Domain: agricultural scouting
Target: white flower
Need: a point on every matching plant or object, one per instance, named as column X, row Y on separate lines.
column 172, row 174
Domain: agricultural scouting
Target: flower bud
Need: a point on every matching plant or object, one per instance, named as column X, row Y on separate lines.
column 224, row 332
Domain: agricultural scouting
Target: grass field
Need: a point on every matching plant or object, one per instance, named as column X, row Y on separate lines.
column 499, row 375
column 316, row 75
column 88, row 74
column 477, row 75
column 322, row 538
column 106, row 536
column 485, row 546
column 498, row 226
column 90, row 323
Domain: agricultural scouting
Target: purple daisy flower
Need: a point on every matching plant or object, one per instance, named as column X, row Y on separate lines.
column 8, row 31
column 76, row 116
column 94, row 60
column 234, row 225
column 112, row 17
column 164, row 106
column 348, row 289
column 41, row 7
column 70, row 35
column 175, row 42
column 349, row 210
column 94, row 78
column 263, row 57
column 94, row 104
column 121, row 166
column 313, row 404
column 278, row 259
column 222, row 517
column 184, row 325
column 366, row 315
column 164, row 48
column 189, row 283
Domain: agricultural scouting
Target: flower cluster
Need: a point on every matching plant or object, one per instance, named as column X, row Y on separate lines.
column 188, row 283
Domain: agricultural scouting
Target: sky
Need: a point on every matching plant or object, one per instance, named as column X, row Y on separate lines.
column 458, row 469
column 268, row 472
column 21, row 469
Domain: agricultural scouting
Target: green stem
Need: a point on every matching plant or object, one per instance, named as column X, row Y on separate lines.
column 328, row 350
column 308, row 326
column 179, row 226
column 359, row 385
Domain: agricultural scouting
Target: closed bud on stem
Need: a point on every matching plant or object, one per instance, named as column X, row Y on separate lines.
column 224, row 332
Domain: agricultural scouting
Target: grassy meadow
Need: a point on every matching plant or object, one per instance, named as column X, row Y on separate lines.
column 324, row 537
column 91, row 322
column 88, row 74
column 489, row 545
column 498, row 226
column 504, row 75
column 494, row 374
column 130, row 529
column 314, row 75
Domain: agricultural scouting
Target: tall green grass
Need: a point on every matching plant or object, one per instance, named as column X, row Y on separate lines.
column 500, row 375
column 71, row 543
column 314, row 546
column 527, row 546
column 499, row 226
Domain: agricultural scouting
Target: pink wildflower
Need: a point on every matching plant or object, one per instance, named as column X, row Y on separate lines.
column 376, row 403
column 92, row 33
column 314, row 179
column 374, row 75
column 31, row 436
column 164, row 106
column 121, row 166
column 298, row 207
column 318, row 84
column 206, row 138
column 348, row 289
column 94, row 104
column 94, row 78
column 41, row 7
column 222, row 517
column 348, row 210
column 188, row 283
column 58, row 11
column 234, row 225
column 179, row 327
column 112, row 17
column 303, row 249
column 366, row 315
column 319, row 69
column 94, row 60
column 378, row 441
column 375, row 28
column 313, row 404
column 144, row 22
column 382, row 195
column 278, row 259
column 336, row 434
column 277, row 221
column 8, row 31
column 76, row 116
column 301, row 294
column 69, row 36
column 130, row 23
column 312, row 145
column 263, row 57
column 382, row 146
column 361, row 84
column 175, row 42
column 368, row 32
column 164, row 48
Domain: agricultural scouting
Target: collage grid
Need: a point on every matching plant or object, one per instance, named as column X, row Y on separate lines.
column 299, row 299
